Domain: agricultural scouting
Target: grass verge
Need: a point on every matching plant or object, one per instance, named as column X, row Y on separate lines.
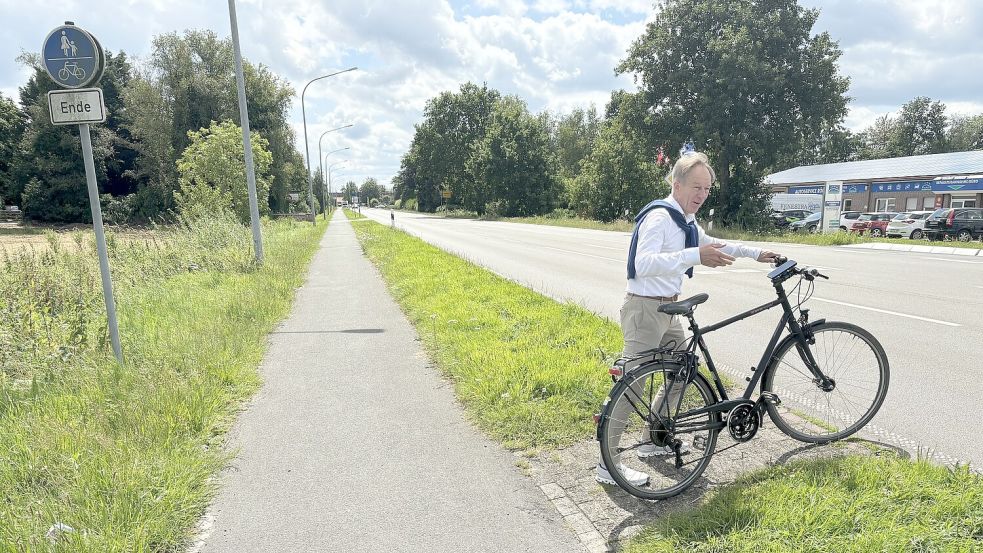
column 843, row 504
column 530, row 371
column 125, row 455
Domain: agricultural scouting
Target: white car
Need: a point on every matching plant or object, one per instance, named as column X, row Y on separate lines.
column 908, row 225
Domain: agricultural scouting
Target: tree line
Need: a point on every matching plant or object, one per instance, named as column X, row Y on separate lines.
column 153, row 149
column 747, row 81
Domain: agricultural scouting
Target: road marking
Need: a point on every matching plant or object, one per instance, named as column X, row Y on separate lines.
column 954, row 260
column 582, row 253
column 926, row 319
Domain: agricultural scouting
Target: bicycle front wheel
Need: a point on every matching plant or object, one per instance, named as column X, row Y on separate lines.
column 856, row 364
column 651, row 447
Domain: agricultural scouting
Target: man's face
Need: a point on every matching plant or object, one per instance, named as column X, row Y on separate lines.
column 693, row 190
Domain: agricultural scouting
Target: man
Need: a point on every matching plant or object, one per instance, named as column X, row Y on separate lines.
column 667, row 243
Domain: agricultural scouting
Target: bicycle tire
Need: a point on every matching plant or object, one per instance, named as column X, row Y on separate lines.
column 665, row 479
column 807, row 412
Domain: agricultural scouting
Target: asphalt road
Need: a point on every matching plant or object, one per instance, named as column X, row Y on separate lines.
column 924, row 308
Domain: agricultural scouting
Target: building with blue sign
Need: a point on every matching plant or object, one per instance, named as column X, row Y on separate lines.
column 894, row 184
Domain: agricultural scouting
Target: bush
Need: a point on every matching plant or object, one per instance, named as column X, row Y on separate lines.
column 374, row 202
column 398, row 204
column 493, row 211
column 117, row 210
column 213, row 174
column 411, row 204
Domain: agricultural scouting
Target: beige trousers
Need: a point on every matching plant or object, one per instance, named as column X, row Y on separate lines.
column 644, row 328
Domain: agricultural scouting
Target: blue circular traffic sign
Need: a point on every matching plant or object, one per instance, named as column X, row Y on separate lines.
column 72, row 57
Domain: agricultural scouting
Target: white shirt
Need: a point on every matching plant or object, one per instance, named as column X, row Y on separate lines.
column 662, row 257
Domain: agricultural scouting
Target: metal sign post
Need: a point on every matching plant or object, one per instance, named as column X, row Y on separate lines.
column 73, row 59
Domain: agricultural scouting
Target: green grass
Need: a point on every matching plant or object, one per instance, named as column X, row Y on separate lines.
column 20, row 231
column 845, row 504
column 126, row 455
column 530, row 371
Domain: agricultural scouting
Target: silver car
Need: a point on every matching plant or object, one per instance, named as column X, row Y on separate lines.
column 908, row 225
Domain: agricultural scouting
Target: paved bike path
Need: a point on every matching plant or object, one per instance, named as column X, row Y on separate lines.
column 355, row 444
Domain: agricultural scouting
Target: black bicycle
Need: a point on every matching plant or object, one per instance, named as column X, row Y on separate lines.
column 821, row 382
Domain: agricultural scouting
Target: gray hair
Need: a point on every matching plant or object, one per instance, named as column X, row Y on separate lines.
column 686, row 163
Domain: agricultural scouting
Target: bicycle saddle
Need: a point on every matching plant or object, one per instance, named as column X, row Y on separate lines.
column 683, row 307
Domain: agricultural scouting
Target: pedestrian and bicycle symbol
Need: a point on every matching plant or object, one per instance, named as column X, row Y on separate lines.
column 73, row 58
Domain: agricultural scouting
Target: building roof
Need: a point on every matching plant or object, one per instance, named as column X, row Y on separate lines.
column 934, row 165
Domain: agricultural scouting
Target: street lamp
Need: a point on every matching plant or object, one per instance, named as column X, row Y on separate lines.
column 329, row 173
column 307, row 149
column 321, row 159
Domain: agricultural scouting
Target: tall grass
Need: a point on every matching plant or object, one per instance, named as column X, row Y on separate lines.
column 124, row 454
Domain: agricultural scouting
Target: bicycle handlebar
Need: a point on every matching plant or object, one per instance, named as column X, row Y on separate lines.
column 807, row 273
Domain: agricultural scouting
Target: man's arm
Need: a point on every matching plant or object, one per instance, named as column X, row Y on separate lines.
column 737, row 249
column 650, row 260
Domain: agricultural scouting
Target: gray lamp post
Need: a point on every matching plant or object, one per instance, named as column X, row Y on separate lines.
column 329, row 172
column 323, row 183
column 307, row 149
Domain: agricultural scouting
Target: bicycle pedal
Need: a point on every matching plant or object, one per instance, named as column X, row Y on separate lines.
column 770, row 398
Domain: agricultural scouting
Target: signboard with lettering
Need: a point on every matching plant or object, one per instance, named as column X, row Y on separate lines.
column 73, row 107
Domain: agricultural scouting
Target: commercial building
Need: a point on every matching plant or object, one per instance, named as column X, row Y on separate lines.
column 893, row 184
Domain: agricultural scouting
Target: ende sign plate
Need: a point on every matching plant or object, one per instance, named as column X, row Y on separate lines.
column 74, row 107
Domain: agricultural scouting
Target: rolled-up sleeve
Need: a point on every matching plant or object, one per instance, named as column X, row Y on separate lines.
column 650, row 260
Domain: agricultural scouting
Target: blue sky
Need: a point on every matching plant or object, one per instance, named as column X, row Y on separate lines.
column 554, row 54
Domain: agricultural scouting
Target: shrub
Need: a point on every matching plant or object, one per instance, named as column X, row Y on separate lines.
column 213, row 174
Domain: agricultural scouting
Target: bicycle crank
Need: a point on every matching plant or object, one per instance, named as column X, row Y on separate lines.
column 743, row 421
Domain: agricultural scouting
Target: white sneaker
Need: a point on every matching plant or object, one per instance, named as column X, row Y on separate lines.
column 634, row 477
column 645, row 451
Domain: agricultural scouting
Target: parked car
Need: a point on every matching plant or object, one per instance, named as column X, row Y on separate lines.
column 962, row 223
column 847, row 218
column 874, row 223
column 782, row 219
column 809, row 224
column 908, row 225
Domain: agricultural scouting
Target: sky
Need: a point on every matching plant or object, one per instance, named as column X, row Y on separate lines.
column 554, row 54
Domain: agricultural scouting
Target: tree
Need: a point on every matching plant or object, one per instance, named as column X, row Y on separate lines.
column 619, row 176
column 350, row 191
column 186, row 84
column 12, row 123
column 513, row 165
column 213, row 172
column 369, row 190
column 919, row 129
column 454, row 124
column 47, row 170
column 965, row 133
column 745, row 79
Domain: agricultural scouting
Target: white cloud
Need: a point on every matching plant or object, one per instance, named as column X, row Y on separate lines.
column 554, row 54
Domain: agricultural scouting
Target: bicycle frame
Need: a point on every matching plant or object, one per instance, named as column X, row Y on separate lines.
column 788, row 320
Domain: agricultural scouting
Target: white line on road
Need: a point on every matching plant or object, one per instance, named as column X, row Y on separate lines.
column 954, row 260
column 926, row 319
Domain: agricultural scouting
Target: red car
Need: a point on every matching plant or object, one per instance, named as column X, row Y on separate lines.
column 874, row 223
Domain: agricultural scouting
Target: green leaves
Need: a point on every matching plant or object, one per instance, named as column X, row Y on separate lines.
column 213, row 174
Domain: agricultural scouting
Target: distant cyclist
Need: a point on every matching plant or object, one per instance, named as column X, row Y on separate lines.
column 666, row 244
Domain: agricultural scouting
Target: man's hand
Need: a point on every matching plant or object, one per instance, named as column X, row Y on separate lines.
column 767, row 257
column 711, row 256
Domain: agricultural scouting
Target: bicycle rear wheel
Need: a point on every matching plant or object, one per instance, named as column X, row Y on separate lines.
column 639, row 447
column 856, row 363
